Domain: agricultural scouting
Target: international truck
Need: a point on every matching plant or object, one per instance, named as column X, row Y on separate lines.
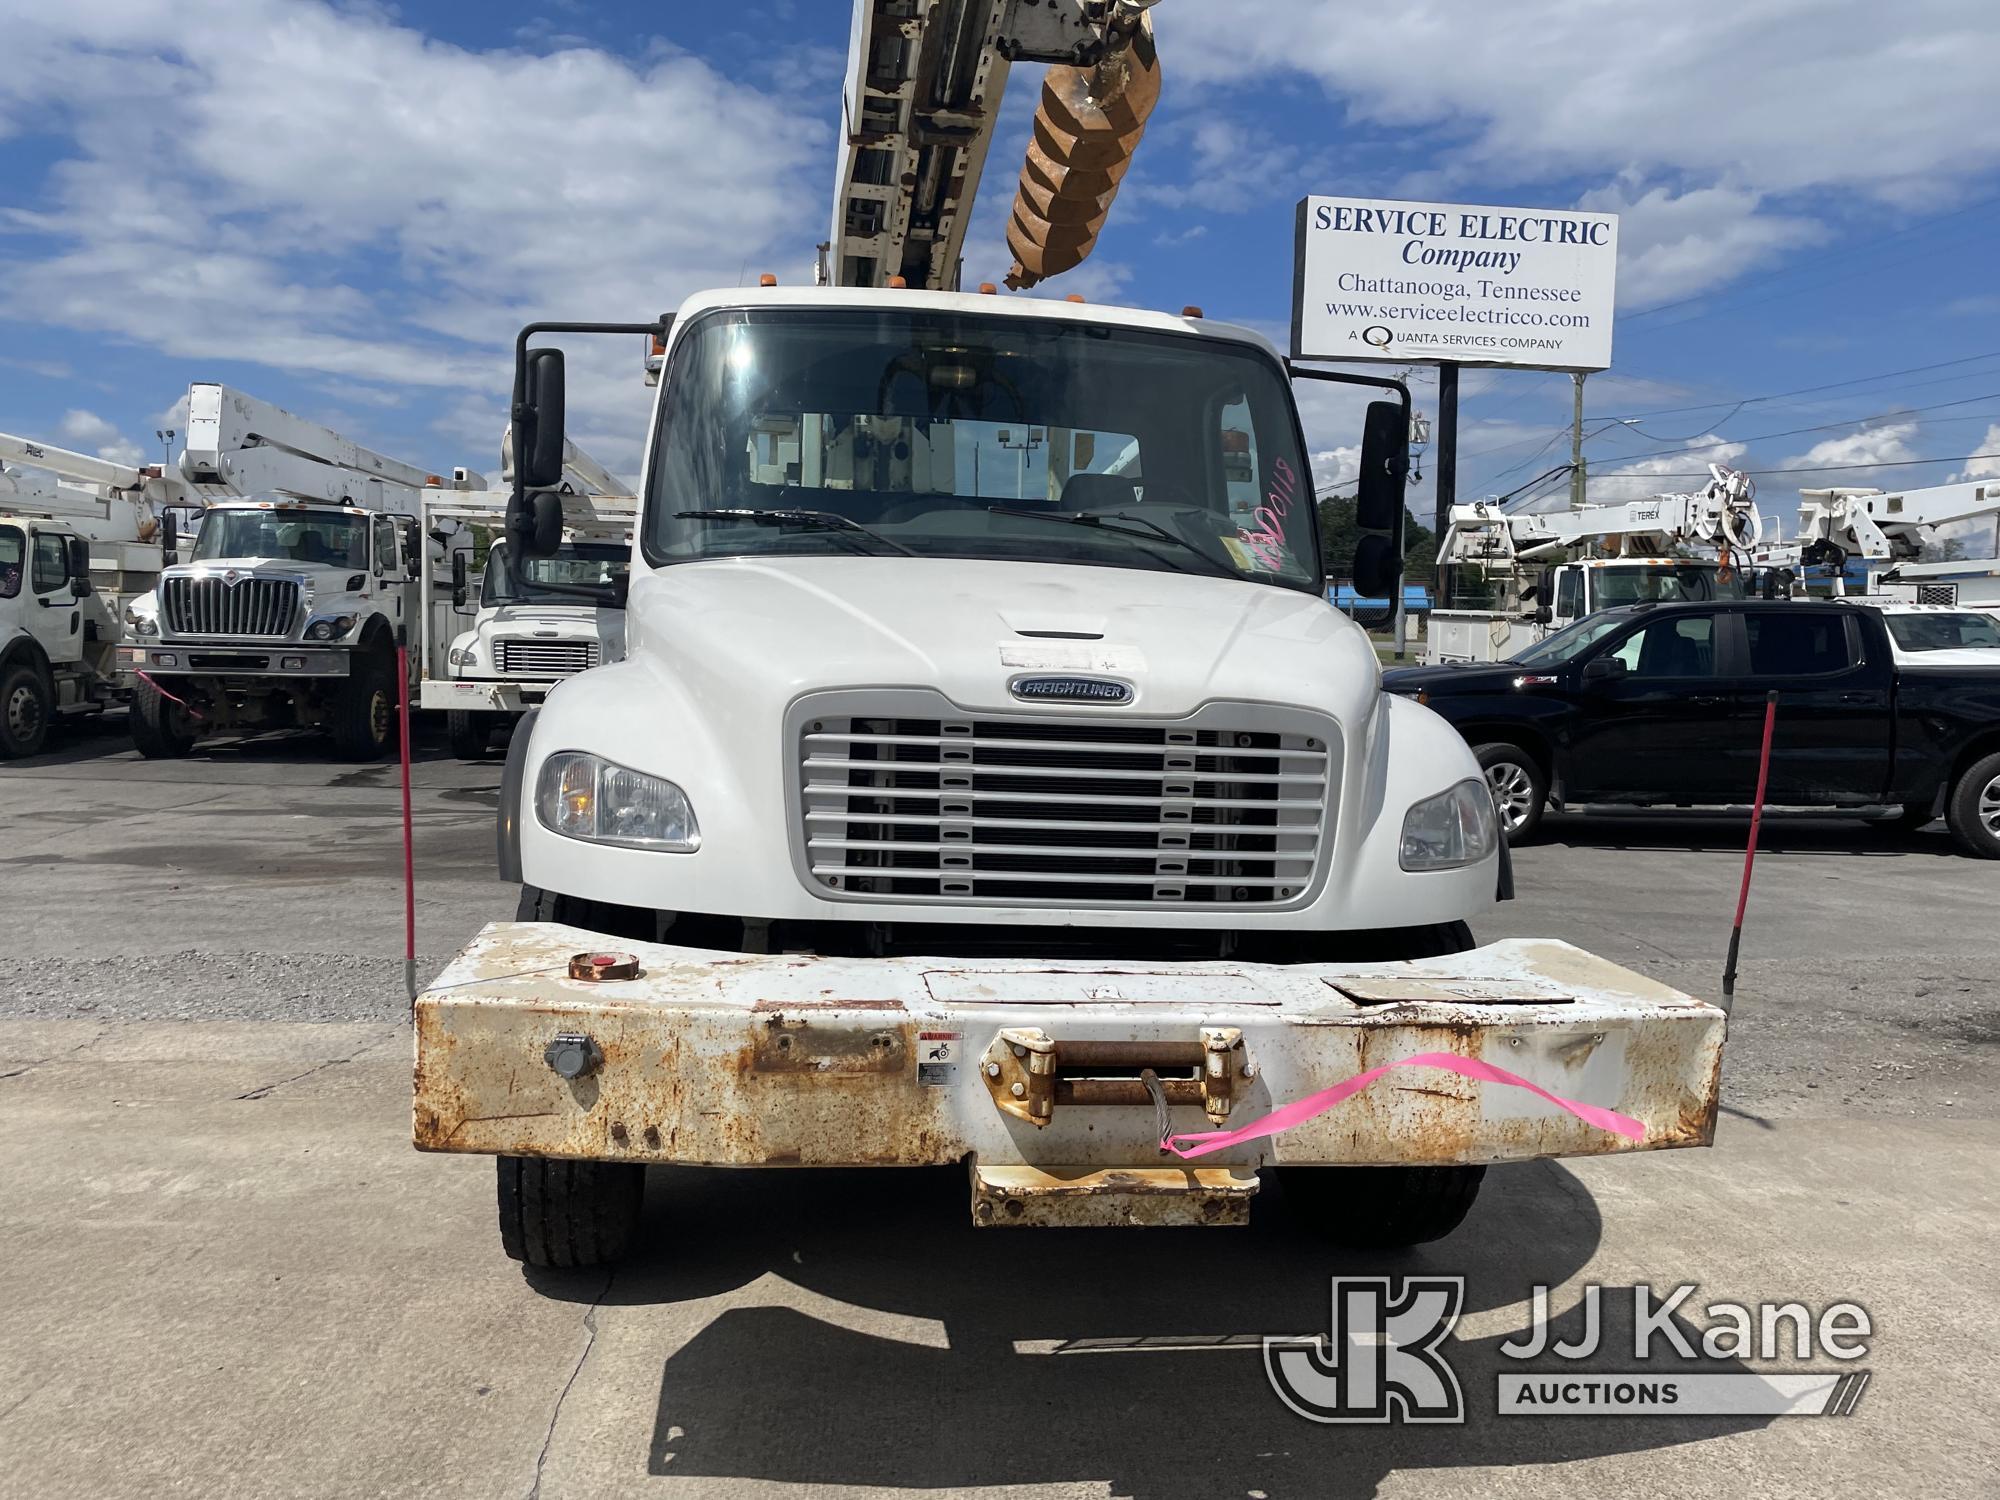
column 309, row 565
column 925, row 825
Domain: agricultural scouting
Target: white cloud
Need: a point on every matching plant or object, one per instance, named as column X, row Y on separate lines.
column 88, row 430
column 1673, row 245
column 1982, row 468
column 1887, row 444
column 235, row 164
column 1656, row 476
column 1545, row 87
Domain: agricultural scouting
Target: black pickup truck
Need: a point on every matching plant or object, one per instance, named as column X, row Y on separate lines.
column 1662, row 705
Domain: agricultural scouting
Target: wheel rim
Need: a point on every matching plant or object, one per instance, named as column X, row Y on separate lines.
column 1989, row 807
column 1513, row 793
column 378, row 717
column 24, row 714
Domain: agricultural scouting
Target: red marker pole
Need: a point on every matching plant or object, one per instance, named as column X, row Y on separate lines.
column 409, row 849
column 1750, row 854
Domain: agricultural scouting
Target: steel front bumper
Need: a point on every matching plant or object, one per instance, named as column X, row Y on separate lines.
column 482, row 695
column 727, row 1059
column 286, row 659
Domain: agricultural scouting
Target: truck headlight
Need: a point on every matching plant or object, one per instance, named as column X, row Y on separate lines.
column 144, row 626
column 582, row 797
column 466, row 658
column 1446, row 832
column 330, row 628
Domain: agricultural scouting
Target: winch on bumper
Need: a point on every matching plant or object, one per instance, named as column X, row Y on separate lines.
column 1037, row 1074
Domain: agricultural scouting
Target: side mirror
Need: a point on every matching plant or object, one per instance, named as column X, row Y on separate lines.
column 1385, row 469
column 461, row 579
column 170, row 538
column 1602, row 669
column 1544, row 615
column 1378, row 569
column 79, row 568
column 538, row 427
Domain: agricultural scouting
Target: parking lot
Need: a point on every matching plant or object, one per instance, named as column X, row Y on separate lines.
column 224, row 1271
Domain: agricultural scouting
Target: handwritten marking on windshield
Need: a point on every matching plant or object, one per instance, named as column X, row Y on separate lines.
column 1267, row 544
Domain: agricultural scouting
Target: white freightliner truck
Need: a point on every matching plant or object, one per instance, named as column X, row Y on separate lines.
column 1533, row 572
column 921, row 825
column 288, row 610
column 982, row 784
column 79, row 541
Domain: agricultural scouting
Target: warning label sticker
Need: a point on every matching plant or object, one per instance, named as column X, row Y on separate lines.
column 937, row 1057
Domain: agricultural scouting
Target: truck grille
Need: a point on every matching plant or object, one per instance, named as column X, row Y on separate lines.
column 543, row 658
column 1225, row 808
column 1937, row 593
column 213, row 606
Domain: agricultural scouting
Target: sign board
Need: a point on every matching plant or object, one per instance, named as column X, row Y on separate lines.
column 1382, row 279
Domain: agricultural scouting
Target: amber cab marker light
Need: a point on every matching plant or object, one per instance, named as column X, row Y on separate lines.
column 767, row 279
column 898, row 284
column 1190, row 311
column 988, row 289
column 1074, row 297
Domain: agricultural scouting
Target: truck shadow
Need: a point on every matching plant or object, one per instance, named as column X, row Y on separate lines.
column 107, row 738
column 1703, row 833
column 1125, row 1358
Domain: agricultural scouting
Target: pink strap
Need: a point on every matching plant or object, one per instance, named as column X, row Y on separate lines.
column 1313, row 1105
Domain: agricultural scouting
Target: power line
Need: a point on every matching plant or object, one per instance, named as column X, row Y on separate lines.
column 1894, row 463
column 1740, row 402
column 1763, row 437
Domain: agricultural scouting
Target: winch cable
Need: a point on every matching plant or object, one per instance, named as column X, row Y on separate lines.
column 1750, row 853
column 409, row 845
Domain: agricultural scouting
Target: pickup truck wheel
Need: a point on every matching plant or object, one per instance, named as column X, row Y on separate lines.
column 1380, row 1208
column 469, row 733
column 363, row 712
column 1520, row 788
column 24, row 711
column 161, row 728
column 566, row 1214
column 1973, row 810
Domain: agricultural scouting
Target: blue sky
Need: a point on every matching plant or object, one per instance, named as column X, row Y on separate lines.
column 348, row 208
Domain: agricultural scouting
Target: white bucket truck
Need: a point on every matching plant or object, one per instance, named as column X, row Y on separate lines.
column 289, row 609
column 939, row 816
column 79, row 541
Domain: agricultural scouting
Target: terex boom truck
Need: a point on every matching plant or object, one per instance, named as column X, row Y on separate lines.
column 79, row 540
column 1509, row 578
column 288, row 610
column 943, row 813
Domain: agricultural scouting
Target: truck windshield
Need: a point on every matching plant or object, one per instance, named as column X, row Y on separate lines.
column 1941, row 632
column 332, row 538
column 1112, row 447
column 1658, row 583
column 576, row 562
column 1554, row 649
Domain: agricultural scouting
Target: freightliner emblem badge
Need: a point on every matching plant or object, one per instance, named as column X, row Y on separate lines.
column 1071, row 690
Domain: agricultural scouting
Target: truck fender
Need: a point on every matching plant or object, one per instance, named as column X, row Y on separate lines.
column 25, row 647
column 513, row 782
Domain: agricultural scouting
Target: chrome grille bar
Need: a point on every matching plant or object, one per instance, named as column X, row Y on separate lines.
column 250, row 608
column 1228, row 807
column 518, row 658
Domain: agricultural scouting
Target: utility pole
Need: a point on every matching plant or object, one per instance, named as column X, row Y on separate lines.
column 1576, row 470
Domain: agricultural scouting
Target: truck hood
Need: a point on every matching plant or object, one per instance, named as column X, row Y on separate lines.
column 971, row 628
column 1494, row 677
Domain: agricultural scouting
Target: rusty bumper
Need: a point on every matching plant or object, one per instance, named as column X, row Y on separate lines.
column 738, row 1060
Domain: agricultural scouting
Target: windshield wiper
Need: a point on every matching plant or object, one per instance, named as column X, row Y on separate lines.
column 806, row 520
column 1150, row 529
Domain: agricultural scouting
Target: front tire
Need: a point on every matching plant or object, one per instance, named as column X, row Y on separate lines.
column 1520, row 788
column 538, row 905
column 1972, row 812
column 25, row 710
column 161, row 728
column 363, row 717
column 1385, row 1208
column 469, row 733
column 561, row 1215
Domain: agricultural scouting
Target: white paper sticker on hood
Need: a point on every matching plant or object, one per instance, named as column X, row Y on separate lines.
column 1071, row 656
